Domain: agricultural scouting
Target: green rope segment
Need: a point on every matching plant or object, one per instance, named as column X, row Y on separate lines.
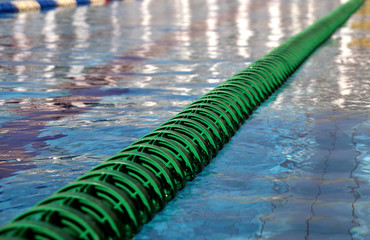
column 115, row 199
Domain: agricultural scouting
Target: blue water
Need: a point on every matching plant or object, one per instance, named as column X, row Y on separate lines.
column 79, row 84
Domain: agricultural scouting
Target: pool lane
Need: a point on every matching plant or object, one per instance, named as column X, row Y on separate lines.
column 46, row 54
column 80, row 93
column 298, row 168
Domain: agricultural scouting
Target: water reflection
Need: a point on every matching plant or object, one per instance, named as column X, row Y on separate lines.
column 148, row 42
column 296, row 16
column 362, row 39
column 22, row 42
column 147, row 27
column 311, row 15
column 244, row 28
column 80, row 92
column 327, row 129
column 344, row 85
column 51, row 39
column 274, row 38
column 365, row 9
column 212, row 31
column 183, row 23
column 116, row 28
column 82, row 36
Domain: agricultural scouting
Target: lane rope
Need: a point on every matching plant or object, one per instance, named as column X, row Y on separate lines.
column 116, row 198
column 36, row 5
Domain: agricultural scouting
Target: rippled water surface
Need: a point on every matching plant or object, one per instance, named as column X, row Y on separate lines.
column 79, row 84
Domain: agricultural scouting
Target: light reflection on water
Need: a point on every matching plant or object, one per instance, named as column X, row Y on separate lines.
column 212, row 30
column 274, row 24
column 90, row 81
column 244, row 29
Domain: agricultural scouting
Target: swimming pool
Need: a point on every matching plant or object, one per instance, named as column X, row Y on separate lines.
column 80, row 84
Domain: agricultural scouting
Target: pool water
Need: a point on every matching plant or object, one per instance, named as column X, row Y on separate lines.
column 79, row 84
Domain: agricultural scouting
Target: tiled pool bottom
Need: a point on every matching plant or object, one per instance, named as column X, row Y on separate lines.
column 297, row 168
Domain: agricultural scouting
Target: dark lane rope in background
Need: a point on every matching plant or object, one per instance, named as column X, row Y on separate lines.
column 115, row 199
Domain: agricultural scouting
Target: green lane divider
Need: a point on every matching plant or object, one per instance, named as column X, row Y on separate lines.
column 115, row 199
